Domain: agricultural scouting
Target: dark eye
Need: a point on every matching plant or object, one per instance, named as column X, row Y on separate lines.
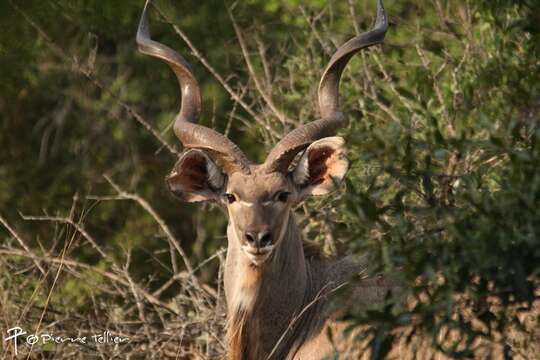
column 283, row 196
column 230, row 198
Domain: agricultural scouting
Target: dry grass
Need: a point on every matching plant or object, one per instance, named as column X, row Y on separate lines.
column 37, row 294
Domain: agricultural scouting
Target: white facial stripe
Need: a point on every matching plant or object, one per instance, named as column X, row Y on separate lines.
column 250, row 204
column 246, row 203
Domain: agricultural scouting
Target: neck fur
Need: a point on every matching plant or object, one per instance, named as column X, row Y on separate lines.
column 262, row 300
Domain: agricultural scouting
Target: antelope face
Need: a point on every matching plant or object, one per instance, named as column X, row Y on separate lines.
column 259, row 199
column 258, row 205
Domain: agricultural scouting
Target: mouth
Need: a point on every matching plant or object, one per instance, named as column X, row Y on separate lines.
column 257, row 256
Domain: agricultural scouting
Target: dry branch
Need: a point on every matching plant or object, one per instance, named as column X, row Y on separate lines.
column 23, row 244
column 262, row 89
column 234, row 95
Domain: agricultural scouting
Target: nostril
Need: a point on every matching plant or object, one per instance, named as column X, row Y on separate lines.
column 266, row 239
column 250, row 237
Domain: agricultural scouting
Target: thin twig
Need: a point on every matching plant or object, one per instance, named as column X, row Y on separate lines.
column 138, row 302
column 296, row 318
column 68, row 262
column 327, row 48
column 22, row 243
column 235, row 96
column 233, row 112
column 352, row 12
column 123, row 195
column 260, row 88
column 77, row 227
column 49, row 295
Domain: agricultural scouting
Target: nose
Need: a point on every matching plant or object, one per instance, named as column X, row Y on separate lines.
column 259, row 239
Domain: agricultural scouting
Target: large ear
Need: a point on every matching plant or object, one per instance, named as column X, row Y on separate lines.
column 196, row 177
column 322, row 166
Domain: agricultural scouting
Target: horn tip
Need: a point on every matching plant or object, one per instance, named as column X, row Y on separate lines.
column 382, row 21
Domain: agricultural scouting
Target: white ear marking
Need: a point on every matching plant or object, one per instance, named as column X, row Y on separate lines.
column 215, row 177
column 301, row 173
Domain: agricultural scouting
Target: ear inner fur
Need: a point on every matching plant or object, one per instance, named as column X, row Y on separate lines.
column 318, row 167
column 323, row 160
column 193, row 172
column 193, row 175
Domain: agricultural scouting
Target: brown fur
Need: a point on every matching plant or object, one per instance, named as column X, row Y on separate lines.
column 236, row 334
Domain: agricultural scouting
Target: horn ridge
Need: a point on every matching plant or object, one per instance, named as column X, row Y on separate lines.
column 329, row 85
column 191, row 134
column 332, row 118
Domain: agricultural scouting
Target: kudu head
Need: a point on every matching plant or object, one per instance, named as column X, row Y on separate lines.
column 259, row 198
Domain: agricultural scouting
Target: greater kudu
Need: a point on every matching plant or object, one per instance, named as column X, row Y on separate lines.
column 274, row 291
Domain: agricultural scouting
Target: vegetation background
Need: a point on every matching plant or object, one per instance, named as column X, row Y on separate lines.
column 444, row 186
